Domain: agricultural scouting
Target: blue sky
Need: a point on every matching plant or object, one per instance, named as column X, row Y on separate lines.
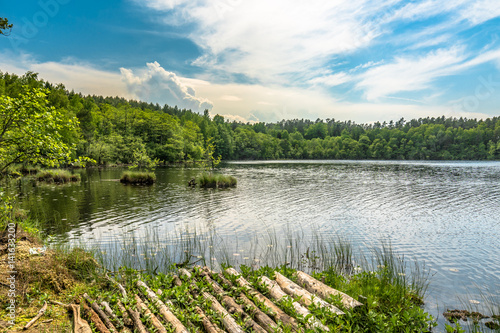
column 363, row 60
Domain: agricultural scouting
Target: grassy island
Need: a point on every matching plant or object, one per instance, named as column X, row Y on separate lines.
column 138, row 178
column 215, row 180
column 57, row 176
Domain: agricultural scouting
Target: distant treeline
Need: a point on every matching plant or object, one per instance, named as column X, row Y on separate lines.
column 115, row 130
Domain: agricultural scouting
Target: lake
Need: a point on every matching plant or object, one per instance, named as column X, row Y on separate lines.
column 446, row 214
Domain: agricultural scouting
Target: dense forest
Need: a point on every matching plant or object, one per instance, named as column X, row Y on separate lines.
column 112, row 130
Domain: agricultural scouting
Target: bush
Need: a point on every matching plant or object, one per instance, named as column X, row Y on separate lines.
column 135, row 177
column 215, row 180
column 57, row 176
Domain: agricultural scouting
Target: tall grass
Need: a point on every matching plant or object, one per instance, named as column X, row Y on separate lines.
column 215, row 180
column 137, row 177
column 57, row 176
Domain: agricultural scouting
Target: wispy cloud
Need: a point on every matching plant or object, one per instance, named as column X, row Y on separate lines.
column 160, row 86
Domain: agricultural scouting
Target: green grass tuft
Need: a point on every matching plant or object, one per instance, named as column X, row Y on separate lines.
column 57, row 176
column 215, row 180
column 137, row 177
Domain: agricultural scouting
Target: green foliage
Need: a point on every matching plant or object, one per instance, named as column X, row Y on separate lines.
column 57, row 176
column 4, row 25
column 134, row 177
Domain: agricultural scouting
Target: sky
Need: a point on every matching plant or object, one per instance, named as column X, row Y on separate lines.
column 261, row 60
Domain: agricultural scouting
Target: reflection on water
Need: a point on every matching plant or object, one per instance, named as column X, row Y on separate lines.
column 446, row 214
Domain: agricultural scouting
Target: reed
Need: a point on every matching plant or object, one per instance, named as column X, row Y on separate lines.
column 215, row 180
column 57, row 176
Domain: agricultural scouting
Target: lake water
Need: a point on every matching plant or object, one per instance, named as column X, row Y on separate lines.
column 446, row 214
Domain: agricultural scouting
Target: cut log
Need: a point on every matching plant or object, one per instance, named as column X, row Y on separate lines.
column 101, row 313
column 306, row 298
column 126, row 319
column 162, row 308
column 94, row 317
column 120, row 287
column 278, row 294
column 233, row 307
column 136, row 318
column 325, row 292
column 260, row 317
column 276, row 312
column 207, row 324
column 229, row 323
column 40, row 313
column 148, row 314
column 177, row 281
column 109, row 312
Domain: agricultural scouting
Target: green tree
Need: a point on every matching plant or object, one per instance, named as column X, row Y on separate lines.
column 4, row 25
column 30, row 130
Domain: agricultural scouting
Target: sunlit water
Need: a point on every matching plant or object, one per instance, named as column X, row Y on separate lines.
column 445, row 214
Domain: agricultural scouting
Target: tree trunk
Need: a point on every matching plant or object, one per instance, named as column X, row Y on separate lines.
column 148, row 314
column 93, row 317
column 136, row 318
column 228, row 321
column 101, row 313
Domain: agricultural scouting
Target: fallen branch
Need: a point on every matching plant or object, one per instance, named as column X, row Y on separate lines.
column 228, row 321
column 148, row 314
column 108, row 311
column 207, row 324
column 79, row 325
column 120, row 287
column 126, row 319
column 40, row 313
column 94, row 318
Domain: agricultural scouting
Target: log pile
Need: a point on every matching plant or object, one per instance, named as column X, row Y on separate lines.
column 215, row 303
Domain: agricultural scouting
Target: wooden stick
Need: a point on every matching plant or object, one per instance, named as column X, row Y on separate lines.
column 136, row 318
column 40, row 313
column 319, row 288
column 264, row 320
column 120, row 287
column 126, row 319
column 93, row 317
column 278, row 294
column 107, row 309
column 305, row 297
column 228, row 321
column 148, row 314
column 207, row 324
column 276, row 312
column 164, row 310
column 101, row 313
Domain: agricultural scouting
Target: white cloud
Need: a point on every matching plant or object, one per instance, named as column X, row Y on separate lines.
column 230, row 98
column 480, row 11
column 331, row 80
column 160, row 86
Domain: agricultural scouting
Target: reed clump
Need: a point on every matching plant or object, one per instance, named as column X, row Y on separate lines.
column 138, row 178
column 215, row 180
column 57, row 176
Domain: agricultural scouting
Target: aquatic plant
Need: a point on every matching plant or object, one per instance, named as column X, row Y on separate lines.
column 57, row 176
column 215, row 180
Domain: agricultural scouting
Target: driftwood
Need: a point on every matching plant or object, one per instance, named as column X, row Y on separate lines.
column 177, row 281
column 164, row 310
column 40, row 313
column 228, row 321
column 101, row 313
column 93, row 317
column 276, row 312
column 126, row 319
column 136, row 318
column 278, row 294
column 109, row 312
column 325, row 292
column 148, row 314
column 233, row 307
column 207, row 324
column 79, row 325
column 305, row 297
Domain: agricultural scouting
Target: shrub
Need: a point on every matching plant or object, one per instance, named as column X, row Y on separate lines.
column 136, row 177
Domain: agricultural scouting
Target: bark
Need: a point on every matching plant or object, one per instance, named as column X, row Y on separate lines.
column 316, row 287
column 93, row 317
column 101, row 313
column 126, row 319
column 276, row 312
column 207, row 324
column 79, row 325
column 278, row 294
column 136, row 318
column 260, row 317
column 120, row 287
column 148, row 314
column 40, row 313
column 228, row 321
column 108, row 311
column 305, row 297
column 162, row 308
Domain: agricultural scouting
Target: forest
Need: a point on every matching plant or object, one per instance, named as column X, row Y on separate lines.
column 113, row 130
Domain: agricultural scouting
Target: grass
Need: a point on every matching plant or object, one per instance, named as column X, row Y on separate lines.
column 57, row 176
column 138, row 177
column 215, row 180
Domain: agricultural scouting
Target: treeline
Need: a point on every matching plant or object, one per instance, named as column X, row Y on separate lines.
column 115, row 130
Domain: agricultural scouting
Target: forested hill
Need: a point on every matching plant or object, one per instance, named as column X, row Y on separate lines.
column 115, row 130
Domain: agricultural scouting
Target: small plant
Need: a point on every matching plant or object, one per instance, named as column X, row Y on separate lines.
column 137, row 177
column 57, row 176
column 215, row 180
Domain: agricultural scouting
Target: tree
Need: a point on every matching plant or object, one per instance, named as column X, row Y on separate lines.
column 4, row 25
column 30, row 130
